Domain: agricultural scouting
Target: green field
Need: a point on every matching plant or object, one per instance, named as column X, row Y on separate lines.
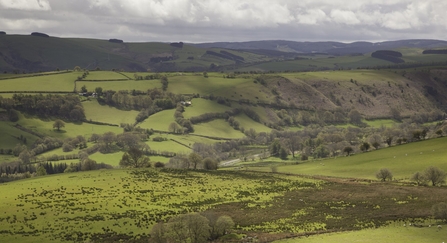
column 70, row 130
column 110, row 159
column 159, row 121
column 403, row 161
column 217, row 128
column 119, row 85
column 108, row 114
column 104, row 75
column 10, row 136
column 215, row 84
column 389, row 234
column 247, row 123
column 57, row 82
column 54, row 208
column 201, row 106
column 168, row 145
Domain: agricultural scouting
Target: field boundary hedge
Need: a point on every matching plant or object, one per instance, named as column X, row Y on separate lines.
column 197, row 135
column 20, row 127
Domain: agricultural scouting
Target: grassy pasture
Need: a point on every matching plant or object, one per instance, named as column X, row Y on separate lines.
column 122, row 202
column 159, row 121
column 70, row 130
column 388, row 234
column 57, row 82
column 9, row 136
column 201, row 106
column 7, row 158
column 247, row 123
column 189, row 139
column 112, row 159
column 381, row 122
column 217, row 128
column 403, row 161
column 104, row 113
column 104, row 75
column 168, row 145
column 120, row 85
column 366, row 76
column 189, row 84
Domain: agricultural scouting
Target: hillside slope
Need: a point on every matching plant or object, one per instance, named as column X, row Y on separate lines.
column 23, row 53
column 26, row 53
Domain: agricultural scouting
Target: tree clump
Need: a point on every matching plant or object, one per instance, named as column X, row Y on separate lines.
column 58, row 124
column 134, row 158
column 384, row 175
column 192, row 227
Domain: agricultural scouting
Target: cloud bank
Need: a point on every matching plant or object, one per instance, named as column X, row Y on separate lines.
column 228, row 20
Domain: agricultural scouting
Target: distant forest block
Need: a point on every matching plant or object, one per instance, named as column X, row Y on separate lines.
column 39, row 34
column 391, row 56
column 116, row 41
column 177, row 44
column 2, row 33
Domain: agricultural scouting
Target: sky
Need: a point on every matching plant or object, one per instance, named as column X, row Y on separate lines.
column 199, row 21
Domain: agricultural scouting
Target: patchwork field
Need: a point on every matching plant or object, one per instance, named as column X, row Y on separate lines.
column 70, row 129
column 104, row 75
column 10, row 136
column 159, row 121
column 106, row 205
column 119, row 85
column 217, row 128
column 201, row 106
column 108, row 114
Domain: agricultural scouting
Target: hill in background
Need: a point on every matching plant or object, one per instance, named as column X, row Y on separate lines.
column 40, row 52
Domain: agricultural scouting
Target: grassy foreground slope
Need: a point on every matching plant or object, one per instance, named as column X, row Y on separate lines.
column 403, row 161
column 389, row 234
column 103, row 204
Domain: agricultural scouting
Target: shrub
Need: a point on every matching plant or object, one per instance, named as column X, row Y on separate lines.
column 210, row 164
column 435, row 175
column 159, row 165
column 440, row 211
column 384, row 174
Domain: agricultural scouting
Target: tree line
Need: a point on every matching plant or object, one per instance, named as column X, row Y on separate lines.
column 67, row 107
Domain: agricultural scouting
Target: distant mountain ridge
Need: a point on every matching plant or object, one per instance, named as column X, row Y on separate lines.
column 329, row 47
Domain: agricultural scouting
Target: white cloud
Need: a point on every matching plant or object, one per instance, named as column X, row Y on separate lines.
column 344, row 17
column 312, row 17
column 25, row 4
column 229, row 20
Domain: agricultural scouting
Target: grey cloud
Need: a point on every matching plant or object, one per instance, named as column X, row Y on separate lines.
column 229, row 20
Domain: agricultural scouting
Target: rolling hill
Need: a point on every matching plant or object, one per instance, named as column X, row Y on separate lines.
column 34, row 53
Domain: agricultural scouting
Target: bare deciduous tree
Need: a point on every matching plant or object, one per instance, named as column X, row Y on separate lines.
column 384, row 174
column 435, row 175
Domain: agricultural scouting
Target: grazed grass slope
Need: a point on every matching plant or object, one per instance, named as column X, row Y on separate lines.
column 403, row 161
column 102, row 204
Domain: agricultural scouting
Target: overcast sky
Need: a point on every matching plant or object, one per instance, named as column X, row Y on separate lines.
column 228, row 20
